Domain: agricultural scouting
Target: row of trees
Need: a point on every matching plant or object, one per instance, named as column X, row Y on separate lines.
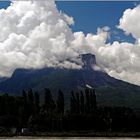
column 36, row 113
column 32, row 111
column 52, row 114
column 80, row 103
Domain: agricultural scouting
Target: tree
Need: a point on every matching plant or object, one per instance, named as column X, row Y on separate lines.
column 77, row 103
column 49, row 102
column 30, row 97
column 92, row 100
column 25, row 109
column 24, row 95
column 50, row 106
column 60, row 102
column 72, row 103
column 37, row 102
column 60, row 108
column 31, row 106
column 87, row 102
column 82, row 103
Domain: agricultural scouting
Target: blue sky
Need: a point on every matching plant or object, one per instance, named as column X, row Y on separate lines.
column 4, row 4
column 88, row 16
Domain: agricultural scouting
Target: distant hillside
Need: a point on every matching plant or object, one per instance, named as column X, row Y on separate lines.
column 109, row 91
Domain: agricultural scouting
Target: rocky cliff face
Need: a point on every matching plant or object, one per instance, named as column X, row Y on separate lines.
column 89, row 61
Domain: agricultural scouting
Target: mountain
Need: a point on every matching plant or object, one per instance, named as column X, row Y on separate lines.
column 109, row 91
column 3, row 79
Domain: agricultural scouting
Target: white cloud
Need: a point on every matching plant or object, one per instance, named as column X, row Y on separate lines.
column 124, row 58
column 130, row 22
column 34, row 34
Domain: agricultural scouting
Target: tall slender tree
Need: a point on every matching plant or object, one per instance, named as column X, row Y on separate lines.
column 49, row 102
column 60, row 109
column 31, row 102
column 77, row 103
column 50, row 106
column 60, row 102
column 24, row 95
column 92, row 100
column 87, row 102
column 72, row 103
column 26, row 112
column 30, row 96
column 37, row 102
column 82, row 103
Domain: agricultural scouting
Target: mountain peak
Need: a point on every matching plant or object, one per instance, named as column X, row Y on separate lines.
column 89, row 60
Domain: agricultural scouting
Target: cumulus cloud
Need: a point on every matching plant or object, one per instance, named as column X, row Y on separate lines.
column 34, row 34
column 130, row 22
column 124, row 58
